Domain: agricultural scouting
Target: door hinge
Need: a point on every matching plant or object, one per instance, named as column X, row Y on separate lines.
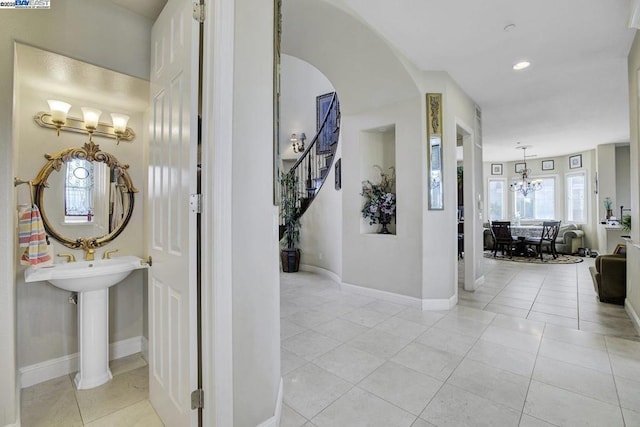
column 197, row 399
column 195, row 203
column 198, row 11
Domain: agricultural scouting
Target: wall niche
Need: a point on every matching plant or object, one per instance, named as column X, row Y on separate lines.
column 378, row 153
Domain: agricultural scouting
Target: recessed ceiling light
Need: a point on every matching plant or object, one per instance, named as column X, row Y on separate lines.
column 521, row 65
column 509, row 27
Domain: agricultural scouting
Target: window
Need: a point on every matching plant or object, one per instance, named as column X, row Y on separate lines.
column 496, row 199
column 538, row 204
column 576, row 207
column 79, row 189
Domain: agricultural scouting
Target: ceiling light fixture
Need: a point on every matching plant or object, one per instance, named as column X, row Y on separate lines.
column 525, row 185
column 522, row 65
column 509, row 27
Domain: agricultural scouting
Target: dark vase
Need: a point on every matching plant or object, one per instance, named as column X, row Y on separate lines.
column 384, row 220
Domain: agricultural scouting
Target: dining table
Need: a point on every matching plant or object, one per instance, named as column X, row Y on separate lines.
column 522, row 232
column 526, row 231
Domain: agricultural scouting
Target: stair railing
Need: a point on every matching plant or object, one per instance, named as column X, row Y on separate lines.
column 313, row 166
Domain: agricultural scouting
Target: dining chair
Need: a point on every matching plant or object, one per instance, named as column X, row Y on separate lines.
column 502, row 237
column 547, row 239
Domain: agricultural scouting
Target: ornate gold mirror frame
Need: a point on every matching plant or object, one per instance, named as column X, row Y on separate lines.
column 90, row 152
column 434, row 151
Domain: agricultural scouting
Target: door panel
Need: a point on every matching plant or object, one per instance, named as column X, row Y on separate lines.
column 172, row 244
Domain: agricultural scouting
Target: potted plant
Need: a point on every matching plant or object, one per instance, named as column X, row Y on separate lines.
column 289, row 254
column 380, row 200
column 607, row 207
column 625, row 221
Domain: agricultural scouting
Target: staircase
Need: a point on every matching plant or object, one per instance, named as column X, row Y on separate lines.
column 310, row 171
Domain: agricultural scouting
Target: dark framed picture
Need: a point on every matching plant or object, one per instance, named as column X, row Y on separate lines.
column 329, row 135
column 575, row 161
column 520, row 167
column 496, row 168
column 338, row 174
column 547, row 165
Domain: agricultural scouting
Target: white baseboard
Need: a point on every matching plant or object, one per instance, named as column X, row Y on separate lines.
column 18, row 422
column 383, row 295
column 65, row 365
column 321, row 271
column 633, row 315
column 426, row 304
column 439, row 304
column 145, row 348
column 277, row 414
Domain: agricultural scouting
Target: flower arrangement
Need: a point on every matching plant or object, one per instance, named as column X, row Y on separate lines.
column 380, row 201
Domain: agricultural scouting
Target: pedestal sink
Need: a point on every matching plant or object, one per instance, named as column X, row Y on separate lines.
column 91, row 280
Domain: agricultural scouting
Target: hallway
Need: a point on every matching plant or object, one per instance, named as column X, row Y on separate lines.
column 354, row 360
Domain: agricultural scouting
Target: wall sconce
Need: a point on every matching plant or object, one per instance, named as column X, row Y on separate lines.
column 298, row 142
column 59, row 112
column 91, row 118
column 119, row 125
column 57, row 119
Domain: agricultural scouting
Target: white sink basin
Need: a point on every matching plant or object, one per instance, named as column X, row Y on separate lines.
column 91, row 280
column 84, row 276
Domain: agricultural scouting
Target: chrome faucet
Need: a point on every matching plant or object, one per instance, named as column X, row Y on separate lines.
column 107, row 254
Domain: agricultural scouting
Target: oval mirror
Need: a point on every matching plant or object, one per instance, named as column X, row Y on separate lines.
column 89, row 199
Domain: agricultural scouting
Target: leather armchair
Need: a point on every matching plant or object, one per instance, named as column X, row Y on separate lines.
column 610, row 278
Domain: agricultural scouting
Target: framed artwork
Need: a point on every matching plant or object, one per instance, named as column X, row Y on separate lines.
column 547, row 165
column 575, row 161
column 338, row 174
column 520, row 167
column 328, row 136
column 496, row 168
column 434, row 151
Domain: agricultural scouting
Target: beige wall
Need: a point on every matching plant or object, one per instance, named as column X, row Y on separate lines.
column 633, row 252
column 81, row 29
column 377, row 88
column 46, row 322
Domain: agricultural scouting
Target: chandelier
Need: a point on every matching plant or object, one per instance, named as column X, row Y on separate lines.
column 525, row 185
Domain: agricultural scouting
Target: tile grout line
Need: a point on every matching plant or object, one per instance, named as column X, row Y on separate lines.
column 615, row 383
column 535, row 362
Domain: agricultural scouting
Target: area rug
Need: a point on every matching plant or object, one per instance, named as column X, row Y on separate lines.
column 548, row 259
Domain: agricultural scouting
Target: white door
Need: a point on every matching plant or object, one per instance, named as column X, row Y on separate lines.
column 171, row 225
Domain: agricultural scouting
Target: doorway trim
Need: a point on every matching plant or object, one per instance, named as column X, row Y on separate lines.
column 217, row 145
column 473, row 205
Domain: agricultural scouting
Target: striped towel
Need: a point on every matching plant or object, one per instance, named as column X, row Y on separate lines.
column 32, row 236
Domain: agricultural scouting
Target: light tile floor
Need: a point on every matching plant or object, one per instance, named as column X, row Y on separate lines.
column 121, row 402
column 532, row 347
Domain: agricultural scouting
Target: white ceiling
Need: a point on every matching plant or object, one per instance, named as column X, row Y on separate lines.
column 573, row 97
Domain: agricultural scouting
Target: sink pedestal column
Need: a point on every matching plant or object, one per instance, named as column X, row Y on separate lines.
column 93, row 339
